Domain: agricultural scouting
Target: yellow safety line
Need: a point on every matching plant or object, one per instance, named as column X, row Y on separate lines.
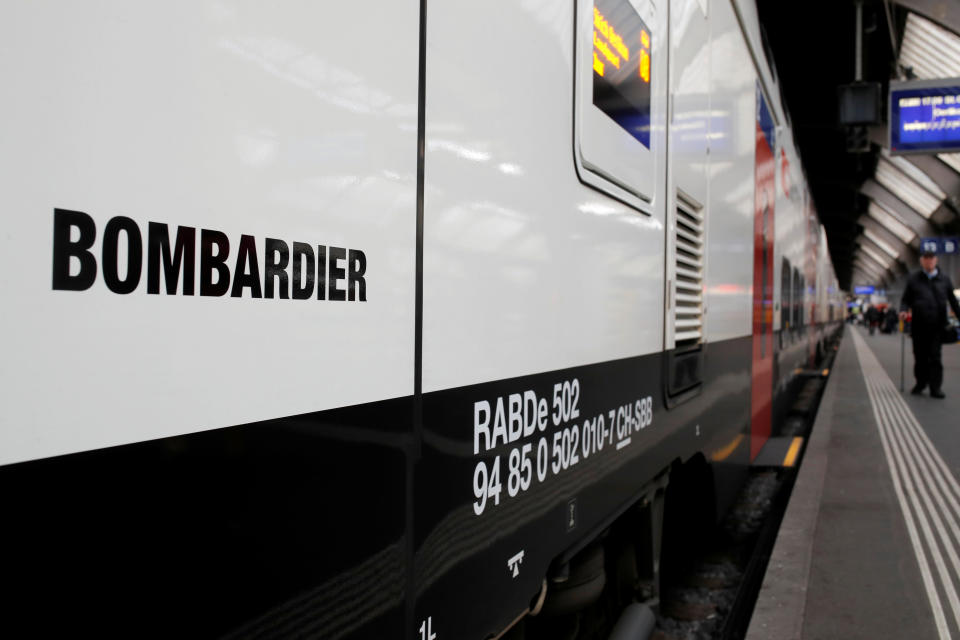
column 792, row 452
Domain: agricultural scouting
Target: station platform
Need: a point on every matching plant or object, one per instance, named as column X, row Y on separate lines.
column 870, row 544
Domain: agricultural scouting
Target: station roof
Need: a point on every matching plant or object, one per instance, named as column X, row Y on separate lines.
column 875, row 207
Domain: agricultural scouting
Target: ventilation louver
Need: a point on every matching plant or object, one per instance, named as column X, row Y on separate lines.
column 688, row 293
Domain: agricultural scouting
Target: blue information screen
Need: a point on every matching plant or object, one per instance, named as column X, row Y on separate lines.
column 925, row 119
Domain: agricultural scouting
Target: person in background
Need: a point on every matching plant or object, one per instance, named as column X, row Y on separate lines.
column 927, row 294
column 873, row 318
column 890, row 320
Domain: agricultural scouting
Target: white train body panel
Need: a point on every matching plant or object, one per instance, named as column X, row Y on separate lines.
column 729, row 286
column 526, row 269
column 789, row 227
column 688, row 148
column 690, row 125
column 228, row 117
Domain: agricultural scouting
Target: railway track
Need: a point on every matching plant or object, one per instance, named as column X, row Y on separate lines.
column 714, row 600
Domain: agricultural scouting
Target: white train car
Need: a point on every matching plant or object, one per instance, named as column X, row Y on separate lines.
column 384, row 320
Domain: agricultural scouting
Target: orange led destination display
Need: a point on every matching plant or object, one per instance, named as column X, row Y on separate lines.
column 608, row 43
column 622, row 66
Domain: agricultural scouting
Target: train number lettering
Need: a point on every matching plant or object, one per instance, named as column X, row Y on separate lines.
column 517, row 418
column 521, row 470
column 486, row 485
column 644, row 413
column 566, row 396
column 513, row 418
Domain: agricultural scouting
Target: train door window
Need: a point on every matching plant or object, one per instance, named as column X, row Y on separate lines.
column 802, row 322
column 786, row 297
column 619, row 54
column 797, row 309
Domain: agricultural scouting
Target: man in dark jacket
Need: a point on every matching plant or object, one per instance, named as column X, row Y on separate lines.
column 927, row 294
column 873, row 318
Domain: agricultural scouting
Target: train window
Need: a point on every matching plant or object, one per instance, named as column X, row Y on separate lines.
column 797, row 311
column 786, row 295
column 618, row 56
column 801, row 319
column 621, row 77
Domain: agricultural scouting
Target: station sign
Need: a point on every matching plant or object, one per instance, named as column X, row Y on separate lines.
column 925, row 116
column 863, row 290
column 940, row 246
column 929, row 244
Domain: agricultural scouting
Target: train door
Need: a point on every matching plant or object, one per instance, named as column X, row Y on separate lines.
column 539, row 279
column 810, row 281
column 763, row 234
column 687, row 196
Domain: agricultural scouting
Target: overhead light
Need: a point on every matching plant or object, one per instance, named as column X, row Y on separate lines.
column 868, row 266
column 897, row 182
column 859, row 268
column 871, row 280
column 929, row 49
column 865, row 278
column 875, row 239
column 952, row 159
column 916, row 174
column 890, row 222
column 881, row 260
column 870, row 271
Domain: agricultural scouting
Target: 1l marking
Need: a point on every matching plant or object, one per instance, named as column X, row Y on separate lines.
column 426, row 629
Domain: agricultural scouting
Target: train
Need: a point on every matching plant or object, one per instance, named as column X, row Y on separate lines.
column 394, row 319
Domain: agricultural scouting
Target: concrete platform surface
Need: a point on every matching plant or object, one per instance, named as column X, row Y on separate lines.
column 870, row 544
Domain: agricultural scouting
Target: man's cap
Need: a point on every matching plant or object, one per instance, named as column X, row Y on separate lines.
column 928, row 254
